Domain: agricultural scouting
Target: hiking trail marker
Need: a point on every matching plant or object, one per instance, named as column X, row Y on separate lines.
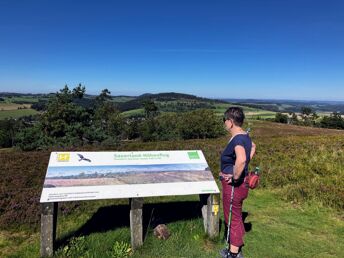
column 75, row 176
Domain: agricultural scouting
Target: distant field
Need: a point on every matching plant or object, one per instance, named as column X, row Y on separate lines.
column 292, row 105
column 16, row 113
column 120, row 99
column 12, row 106
column 9, row 109
column 272, row 129
column 139, row 111
column 27, row 99
column 251, row 113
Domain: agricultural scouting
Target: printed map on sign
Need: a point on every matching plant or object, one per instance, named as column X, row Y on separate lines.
column 103, row 175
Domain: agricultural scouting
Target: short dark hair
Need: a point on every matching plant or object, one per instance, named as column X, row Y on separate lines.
column 236, row 114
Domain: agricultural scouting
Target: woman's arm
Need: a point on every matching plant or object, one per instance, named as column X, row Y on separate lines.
column 240, row 161
column 253, row 150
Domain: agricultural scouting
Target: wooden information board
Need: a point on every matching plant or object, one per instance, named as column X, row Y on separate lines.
column 74, row 176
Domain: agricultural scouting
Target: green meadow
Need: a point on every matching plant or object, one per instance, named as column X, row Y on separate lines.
column 16, row 107
column 250, row 113
column 133, row 112
column 277, row 228
column 16, row 113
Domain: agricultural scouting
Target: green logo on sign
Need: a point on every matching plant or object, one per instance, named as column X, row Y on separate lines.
column 193, row 155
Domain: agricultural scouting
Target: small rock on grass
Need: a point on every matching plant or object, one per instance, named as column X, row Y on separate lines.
column 161, row 231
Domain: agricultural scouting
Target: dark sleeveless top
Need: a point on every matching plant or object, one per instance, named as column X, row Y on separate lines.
column 228, row 156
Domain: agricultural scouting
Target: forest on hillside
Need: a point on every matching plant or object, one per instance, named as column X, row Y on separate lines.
column 68, row 118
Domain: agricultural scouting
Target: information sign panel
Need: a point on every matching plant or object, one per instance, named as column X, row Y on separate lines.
column 75, row 176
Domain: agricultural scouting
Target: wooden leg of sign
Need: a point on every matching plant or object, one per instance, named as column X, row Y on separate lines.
column 136, row 228
column 48, row 228
column 213, row 208
column 204, row 208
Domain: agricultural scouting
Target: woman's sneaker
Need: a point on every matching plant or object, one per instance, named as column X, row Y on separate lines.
column 226, row 254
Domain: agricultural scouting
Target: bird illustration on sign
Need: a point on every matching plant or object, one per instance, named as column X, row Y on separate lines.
column 83, row 158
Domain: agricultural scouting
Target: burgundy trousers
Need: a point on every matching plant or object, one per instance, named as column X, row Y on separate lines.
column 237, row 230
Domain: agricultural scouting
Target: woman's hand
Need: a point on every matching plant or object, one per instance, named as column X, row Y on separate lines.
column 226, row 177
column 253, row 150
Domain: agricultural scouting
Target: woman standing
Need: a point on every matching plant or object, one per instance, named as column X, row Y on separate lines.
column 234, row 170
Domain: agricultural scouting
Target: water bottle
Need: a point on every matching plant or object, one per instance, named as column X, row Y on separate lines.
column 257, row 171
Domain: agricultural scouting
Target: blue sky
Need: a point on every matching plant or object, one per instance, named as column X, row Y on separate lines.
column 283, row 49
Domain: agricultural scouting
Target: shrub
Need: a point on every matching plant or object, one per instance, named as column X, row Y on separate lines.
column 281, row 118
column 77, row 247
column 121, row 250
column 197, row 124
column 30, row 138
column 200, row 124
column 335, row 120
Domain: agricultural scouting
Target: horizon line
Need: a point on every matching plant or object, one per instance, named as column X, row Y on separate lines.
column 212, row 97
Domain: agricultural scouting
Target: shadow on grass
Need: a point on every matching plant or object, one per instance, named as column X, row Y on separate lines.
column 247, row 225
column 117, row 216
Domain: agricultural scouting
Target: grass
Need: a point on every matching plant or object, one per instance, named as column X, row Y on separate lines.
column 30, row 99
column 16, row 113
column 278, row 229
column 139, row 111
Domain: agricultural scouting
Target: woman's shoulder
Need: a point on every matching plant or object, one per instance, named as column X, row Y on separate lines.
column 240, row 138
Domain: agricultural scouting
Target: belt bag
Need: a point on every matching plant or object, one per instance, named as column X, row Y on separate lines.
column 252, row 180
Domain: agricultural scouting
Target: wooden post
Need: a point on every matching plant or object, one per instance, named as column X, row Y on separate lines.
column 136, row 228
column 213, row 214
column 203, row 200
column 48, row 228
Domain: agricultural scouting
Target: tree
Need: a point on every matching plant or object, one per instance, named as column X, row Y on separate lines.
column 79, row 91
column 148, row 130
column 309, row 116
column 103, row 96
column 32, row 138
column 107, row 117
column 64, row 120
column 150, row 108
column 166, row 126
column 9, row 128
column 293, row 119
column 314, row 116
column 5, row 140
column 132, row 129
column 335, row 120
column 306, row 111
column 281, row 118
column 201, row 123
column 71, row 120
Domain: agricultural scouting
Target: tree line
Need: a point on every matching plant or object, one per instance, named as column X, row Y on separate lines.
column 68, row 119
column 309, row 117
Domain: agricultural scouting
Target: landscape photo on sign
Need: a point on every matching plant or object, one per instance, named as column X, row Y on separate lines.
column 64, row 176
